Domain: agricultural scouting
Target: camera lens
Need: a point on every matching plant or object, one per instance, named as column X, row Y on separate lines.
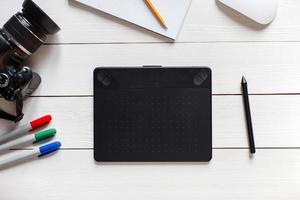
column 28, row 30
column 4, row 47
column 36, row 14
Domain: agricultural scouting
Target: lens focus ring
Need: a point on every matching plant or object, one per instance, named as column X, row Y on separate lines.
column 19, row 29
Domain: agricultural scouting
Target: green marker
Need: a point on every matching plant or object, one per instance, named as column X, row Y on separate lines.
column 32, row 138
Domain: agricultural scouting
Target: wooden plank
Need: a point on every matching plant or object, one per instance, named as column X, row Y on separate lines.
column 206, row 21
column 268, row 67
column 68, row 175
column 275, row 119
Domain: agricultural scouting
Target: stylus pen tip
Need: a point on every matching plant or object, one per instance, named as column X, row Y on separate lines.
column 244, row 80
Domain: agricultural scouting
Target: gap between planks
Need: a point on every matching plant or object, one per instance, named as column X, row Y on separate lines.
column 165, row 42
column 214, row 148
column 250, row 94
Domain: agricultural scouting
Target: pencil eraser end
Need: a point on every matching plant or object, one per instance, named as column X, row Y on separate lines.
column 40, row 122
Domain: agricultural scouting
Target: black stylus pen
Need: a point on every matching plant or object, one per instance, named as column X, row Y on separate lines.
column 248, row 115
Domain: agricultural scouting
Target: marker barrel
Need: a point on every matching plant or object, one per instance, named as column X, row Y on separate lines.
column 28, row 139
column 22, row 130
column 15, row 133
column 21, row 156
column 17, row 157
column 25, row 140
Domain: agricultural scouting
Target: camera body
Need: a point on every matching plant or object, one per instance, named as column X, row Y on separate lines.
column 12, row 81
column 20, row 37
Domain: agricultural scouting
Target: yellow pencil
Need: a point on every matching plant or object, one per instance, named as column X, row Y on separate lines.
column 156, row 13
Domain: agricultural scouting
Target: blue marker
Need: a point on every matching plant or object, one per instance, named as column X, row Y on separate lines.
column 20, row 156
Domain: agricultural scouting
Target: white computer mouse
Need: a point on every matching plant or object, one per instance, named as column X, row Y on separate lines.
column 261, row 11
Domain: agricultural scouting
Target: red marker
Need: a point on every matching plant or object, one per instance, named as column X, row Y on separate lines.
column 22, row 130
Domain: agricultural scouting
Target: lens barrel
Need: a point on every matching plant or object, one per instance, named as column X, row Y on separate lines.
column 4, row 45
column 28, row 30
column 36, row 14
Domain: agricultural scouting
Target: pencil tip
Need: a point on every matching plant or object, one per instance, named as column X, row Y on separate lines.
column 165, row 27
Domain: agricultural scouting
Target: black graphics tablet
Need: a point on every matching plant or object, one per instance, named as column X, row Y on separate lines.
column 152, row 114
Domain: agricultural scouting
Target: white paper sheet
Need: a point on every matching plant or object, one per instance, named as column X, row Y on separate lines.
column 137, row 12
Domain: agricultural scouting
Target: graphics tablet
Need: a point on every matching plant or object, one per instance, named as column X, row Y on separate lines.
column 152, row 114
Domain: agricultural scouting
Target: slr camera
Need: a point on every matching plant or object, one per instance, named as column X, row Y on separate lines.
column 20, row 37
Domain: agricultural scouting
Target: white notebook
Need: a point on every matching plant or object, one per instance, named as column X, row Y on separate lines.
column 137, row 12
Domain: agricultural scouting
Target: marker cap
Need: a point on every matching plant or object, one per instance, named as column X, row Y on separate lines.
column 49, row 148
column 40, row 122
column 42, row 135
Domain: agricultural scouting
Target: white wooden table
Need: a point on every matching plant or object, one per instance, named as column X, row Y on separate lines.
column 212, row 36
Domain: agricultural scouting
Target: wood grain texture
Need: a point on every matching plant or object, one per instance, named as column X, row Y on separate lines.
column 206, row 21
column 275, row 119
column 268, row 67
column 69, row 175
column 213, row 36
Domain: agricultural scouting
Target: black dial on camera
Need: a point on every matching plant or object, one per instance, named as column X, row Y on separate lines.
column 4, row 80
